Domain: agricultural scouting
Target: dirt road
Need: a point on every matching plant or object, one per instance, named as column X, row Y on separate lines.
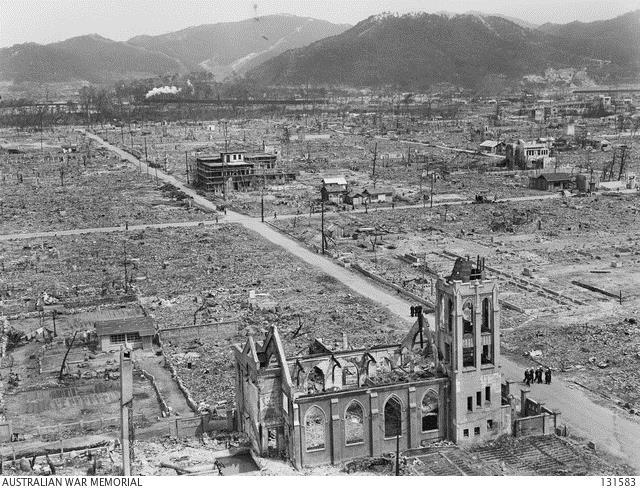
column 169, row 389
column 608, row 428
column 110, row 229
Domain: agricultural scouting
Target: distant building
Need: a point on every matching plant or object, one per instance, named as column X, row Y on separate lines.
column 552, row 181
column 334, row 189
column 523, row 155
column 380, row 194
column 354, row 197
column 587, row 183
column 135, row 333
column 491, row 146
column 238, row 170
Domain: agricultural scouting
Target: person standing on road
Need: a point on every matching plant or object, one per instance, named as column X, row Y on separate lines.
column 547, row 376
column 539, row 374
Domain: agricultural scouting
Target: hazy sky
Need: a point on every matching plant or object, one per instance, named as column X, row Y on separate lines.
column 45, row 21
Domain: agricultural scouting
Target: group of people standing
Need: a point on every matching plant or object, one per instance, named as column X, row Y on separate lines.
column 532, row 376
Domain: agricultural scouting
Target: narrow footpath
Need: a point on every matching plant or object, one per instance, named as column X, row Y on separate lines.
column 609, row 428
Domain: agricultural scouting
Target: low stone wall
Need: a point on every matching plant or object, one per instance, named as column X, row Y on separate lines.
column 163, row 404
column 174, row 373
column 393, row 286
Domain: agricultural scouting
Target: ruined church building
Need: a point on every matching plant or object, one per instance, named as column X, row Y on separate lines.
column 333, row 405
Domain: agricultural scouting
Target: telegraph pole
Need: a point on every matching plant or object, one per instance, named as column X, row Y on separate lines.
column 126, row 410
column 125, row 266
column 146, row 156
column 322, row 221
column 186, row 164
column 262, row 204
column 375, row 157
column 431, row 200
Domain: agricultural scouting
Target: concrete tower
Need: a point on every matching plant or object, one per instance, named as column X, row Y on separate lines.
column 468, row 337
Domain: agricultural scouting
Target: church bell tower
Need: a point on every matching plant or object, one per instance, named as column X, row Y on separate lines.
column 468, row 338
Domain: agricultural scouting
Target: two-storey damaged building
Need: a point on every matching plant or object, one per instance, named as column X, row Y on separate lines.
column 238, row 170
column 339, row 403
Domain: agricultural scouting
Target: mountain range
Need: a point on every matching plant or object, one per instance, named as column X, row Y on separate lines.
column 418, row 50
column 223, row 49
column 406, row 51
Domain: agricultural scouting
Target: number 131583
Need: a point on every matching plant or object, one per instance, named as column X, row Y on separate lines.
column 618, row 481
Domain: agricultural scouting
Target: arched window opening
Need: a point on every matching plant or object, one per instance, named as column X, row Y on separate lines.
column 392, row 418
column 314, row 429
column 486, row 311
column 371, row 369
column 315, row 381
column 335, row 375
column 354, row 424
column 467, row 318
column 430, row 411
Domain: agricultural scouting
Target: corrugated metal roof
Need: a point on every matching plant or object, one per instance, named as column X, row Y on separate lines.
column 142, row 325
column 334, row 180
column 490, row 143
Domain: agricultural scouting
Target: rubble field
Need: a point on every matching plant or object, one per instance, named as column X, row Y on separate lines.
column 345, row 151
column 206, row 273
column 555, row 260
column 50, row 190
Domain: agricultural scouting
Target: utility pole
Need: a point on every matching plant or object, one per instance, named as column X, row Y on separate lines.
column 41, row 134
column 186, row 164
column 262, row 204
column 64, row 360
column 126, row 410
column 375, row 157
column 431, row 199
column 125, row 266
column 322, row 220
column 420, row 326
column 146, row 156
